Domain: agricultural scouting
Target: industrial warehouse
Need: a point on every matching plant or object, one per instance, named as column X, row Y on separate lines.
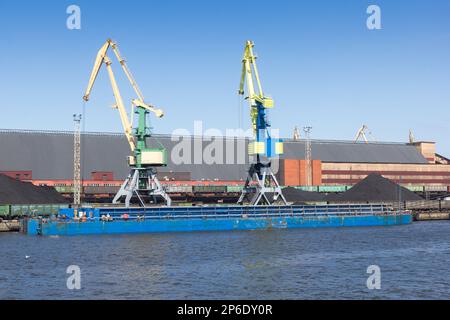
column 46, row 158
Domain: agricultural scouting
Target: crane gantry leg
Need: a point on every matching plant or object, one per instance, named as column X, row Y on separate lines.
column 141, row 182
column 261, row 185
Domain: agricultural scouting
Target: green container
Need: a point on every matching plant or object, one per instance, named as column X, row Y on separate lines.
column 308, row 188
column 414, row 188
column 17, row 210
column 436, row 188
column 330, row 189
column 55, row 209
column 36, row 209
column 64, row 189
column 4, row 211
column 231, row 189
column 178, row 189
column 210, row 189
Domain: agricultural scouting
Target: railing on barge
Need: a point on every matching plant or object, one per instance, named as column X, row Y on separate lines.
column 237, row 211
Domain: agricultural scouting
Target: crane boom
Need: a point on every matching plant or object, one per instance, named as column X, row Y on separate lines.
column 126, row 70
column 258, row 103
column 249, row 74
column 97, row 65
column 101, row 59
column 249, row 61
column 120, row 106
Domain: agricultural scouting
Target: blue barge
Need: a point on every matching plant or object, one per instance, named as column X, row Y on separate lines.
column 113, row 220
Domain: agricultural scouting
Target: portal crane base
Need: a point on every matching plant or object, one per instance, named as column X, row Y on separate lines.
column 261, row 186
column 141, row 182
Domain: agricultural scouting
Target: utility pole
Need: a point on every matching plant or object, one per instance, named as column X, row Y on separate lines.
column 77, row 161
column 308, row 155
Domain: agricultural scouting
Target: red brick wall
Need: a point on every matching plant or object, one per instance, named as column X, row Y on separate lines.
column 416, row 174
column 293, row 172
column 102, row 175
column 317, row 172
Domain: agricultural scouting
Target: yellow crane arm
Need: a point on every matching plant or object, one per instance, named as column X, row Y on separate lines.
column 126, row 123
column 120, row 106
column 258, row 103
column 103, row 58
column 362, row 134
column 97, row 64
column 126, row 70
column 249, row 73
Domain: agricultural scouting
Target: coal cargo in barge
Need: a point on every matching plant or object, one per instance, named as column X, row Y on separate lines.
column 103, row 220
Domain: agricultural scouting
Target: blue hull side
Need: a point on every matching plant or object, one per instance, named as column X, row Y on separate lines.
column 210, row 224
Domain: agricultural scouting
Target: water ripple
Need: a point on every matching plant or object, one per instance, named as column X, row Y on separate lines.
column 278, row 264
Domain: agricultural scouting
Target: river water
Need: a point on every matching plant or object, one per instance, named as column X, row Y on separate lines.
column 279, row 264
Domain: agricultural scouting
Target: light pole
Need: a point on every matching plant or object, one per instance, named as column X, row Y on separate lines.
column 77, row 161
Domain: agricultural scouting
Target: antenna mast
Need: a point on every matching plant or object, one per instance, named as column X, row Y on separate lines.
column 308, row 155
column 77, row 161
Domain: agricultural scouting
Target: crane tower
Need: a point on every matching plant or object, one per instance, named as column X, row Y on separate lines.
column 261, row 180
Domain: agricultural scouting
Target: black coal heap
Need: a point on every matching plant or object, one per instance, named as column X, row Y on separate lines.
column 17, row 192
column 375, row 188
column 298, row 196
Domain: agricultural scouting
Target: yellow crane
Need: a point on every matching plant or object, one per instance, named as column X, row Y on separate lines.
column 260, row 179
column 363, row 134
column 143, row 160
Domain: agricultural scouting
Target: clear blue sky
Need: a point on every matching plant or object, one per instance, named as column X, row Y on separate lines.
column 317, row 59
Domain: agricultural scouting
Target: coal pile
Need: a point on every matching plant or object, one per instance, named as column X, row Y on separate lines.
column 17, row 192
column 298, row 196
column 375, row 188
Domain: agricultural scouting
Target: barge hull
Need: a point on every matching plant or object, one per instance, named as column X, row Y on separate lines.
column 52, row 228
